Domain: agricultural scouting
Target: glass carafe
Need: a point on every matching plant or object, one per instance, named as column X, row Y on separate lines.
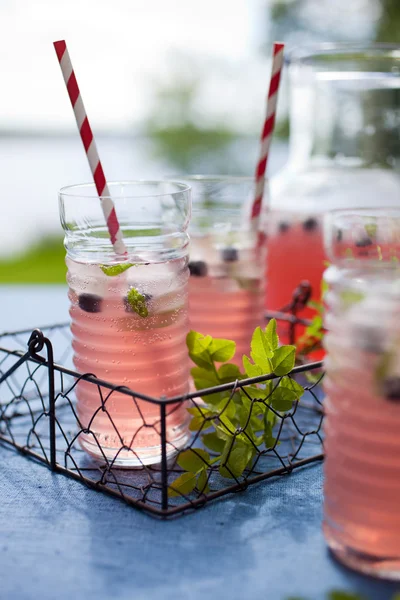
column 344, row 153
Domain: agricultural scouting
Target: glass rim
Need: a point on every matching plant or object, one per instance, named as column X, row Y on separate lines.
column 216, row 178
column 66, row 190
column 308, row 54
column 373, row 211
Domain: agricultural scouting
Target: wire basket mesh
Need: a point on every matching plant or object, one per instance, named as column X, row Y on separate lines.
column 39, row 417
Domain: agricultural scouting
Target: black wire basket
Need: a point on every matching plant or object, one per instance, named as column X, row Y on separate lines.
column 38, row 417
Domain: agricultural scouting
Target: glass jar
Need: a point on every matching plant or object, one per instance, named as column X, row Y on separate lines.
column 362, row 385
column 226, row 286
column 344, row 152
column 129, row 316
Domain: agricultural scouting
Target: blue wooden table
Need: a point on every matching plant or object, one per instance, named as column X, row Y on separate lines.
column 59, row 540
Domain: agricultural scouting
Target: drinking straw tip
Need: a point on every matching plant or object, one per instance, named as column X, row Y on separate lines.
column 60, row 47
column 278, row 46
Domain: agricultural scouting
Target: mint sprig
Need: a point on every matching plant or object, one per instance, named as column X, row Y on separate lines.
column 114, row 270
column 235, row 425
column 137, row 302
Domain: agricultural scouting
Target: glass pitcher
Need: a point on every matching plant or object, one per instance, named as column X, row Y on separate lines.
column 344, row 153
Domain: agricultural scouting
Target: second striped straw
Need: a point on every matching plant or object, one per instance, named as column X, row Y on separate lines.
column 268, row 129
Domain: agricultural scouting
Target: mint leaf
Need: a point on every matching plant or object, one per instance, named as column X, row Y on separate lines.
column 371, row 229
column 269, row 439
column 137, row 303
column 114, row 270
column 198, row 345
column 193, row 460
column 202, row 482
column 213, row 442
column 261, row 350
column 338, row 595
column 291, row 384
column 271, row 334
column 283, row 360
column 205, row 375
column 236, row 460
column 196, row 423
column 228, row 373
column 251, row 370
column 222, row 350
column 184, row 484
column 282, row 399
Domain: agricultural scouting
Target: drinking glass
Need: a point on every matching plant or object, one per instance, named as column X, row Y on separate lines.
column 129, row 315
column 362, row 384
column 226, row 287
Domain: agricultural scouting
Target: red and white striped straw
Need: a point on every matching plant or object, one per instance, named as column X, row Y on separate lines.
column 268, row 129
column 90, row 147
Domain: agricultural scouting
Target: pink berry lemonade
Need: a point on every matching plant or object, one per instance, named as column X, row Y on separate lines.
column 226, row 287
column 295, row 253
column 129, row 328
column 362, row 424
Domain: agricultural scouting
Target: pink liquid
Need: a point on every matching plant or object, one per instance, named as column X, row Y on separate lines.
column 221, row 312
column 226, row 287
column 362, row 468
column 295, row 253
column 146, row 354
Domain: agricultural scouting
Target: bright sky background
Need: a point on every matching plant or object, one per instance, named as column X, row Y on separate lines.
column 117, row 47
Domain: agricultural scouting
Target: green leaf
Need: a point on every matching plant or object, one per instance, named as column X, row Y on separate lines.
column 257, row 393
column 271, row 334
column 283, row 360
column 350, row 297
column 193, row 460
column 318, row 306
column 197, row 342
column 228, row 373
column 261, row 350
column 316, row 328
column 114, row 270
column 213, row 442
column 209, row 375
column 282, row 399
column 196, row 423
column 202, row 482
column 227, row 424
column 137, row 302
column 291, row 384
column 184, row 484
column 198, row 345
column 251, row 370
column 255, row 424
column 371, row 229
column 236, row 461
column 340, row 595
column 222, row 350
column 269, row 439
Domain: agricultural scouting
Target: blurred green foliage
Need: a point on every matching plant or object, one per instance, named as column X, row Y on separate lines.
column 182, row 137
column 42, row 263
column 388, row 29
column 179, row 136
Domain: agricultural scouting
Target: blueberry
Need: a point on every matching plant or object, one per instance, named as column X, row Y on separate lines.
column 391, row 388
column 310, row 224
column 198, row 268
column 283, row 227
column 128, row 307
column 230, row 255
column 364, row 242
column 90, row 303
